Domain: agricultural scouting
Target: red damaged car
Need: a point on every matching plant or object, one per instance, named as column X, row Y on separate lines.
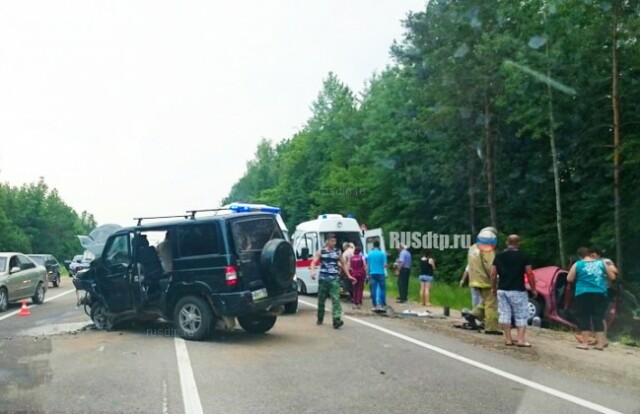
column 554, row 301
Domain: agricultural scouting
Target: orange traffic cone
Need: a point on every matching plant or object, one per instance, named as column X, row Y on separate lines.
column 24, row 311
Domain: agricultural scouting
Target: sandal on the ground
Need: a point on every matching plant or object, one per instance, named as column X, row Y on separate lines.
column 509, row 344
column 583, row 347
column 525, row 345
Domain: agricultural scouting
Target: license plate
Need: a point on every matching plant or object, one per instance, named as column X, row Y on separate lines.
column 259, row 294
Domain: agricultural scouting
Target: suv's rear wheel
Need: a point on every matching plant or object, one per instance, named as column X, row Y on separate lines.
column 278, row 263
column 257, row 324
column 192, row 317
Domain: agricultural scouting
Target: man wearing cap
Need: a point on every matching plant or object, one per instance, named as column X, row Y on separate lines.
column 480, row 260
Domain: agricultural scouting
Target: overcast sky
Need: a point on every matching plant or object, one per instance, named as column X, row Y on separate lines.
column 151, row 107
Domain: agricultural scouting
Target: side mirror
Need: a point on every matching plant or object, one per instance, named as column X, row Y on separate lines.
column 304, row 253
column 14, row 269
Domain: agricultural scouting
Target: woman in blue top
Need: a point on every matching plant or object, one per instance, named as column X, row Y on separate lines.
column 590, row 276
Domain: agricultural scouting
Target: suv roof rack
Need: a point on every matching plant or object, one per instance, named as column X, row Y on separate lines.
column 193, row 212
column 158, row 217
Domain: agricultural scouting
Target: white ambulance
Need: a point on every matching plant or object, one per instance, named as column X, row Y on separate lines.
column 310, row 236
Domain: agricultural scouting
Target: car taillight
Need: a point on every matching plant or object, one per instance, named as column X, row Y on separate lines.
column 230, row 276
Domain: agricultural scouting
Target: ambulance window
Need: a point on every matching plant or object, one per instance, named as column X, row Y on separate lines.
column 309, row 241
column 370, row 241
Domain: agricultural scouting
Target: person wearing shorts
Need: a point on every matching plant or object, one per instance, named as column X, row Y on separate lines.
column 427, row 267
column 507, row 283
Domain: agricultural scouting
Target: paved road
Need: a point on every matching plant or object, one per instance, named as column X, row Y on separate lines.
column 372, row 365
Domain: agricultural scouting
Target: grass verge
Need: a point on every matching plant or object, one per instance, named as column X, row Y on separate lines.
column 442, row 294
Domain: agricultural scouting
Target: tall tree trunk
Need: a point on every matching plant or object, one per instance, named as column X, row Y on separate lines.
column 554, row 160
column 490, row 163
column 472, row 190
column 615, row 105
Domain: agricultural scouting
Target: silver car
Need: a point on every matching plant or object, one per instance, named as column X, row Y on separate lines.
column 21, row 278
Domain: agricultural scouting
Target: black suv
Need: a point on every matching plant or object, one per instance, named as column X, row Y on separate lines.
column 51, row 264
column 206, row 271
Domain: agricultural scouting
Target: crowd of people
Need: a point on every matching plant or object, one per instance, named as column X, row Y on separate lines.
column 497, row 281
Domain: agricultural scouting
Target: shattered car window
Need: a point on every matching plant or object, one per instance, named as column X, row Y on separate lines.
column 119, row 251
column 254, row 234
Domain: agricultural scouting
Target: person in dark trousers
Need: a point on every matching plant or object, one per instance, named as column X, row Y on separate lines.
column 507, row 283
column 358, row 269
column 597, row 254
column 590, row 276
column 377, row 262
column 329, row 281
column 403, row 264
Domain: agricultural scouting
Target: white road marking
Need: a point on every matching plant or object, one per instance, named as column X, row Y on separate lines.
column 190, row 396
column 531, row 384
column 8, row 315
column 165, row 398
column 58, row 295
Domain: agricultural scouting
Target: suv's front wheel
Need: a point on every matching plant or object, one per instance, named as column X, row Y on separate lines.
column 100, row 317
column 192, row 317
column 257, row 324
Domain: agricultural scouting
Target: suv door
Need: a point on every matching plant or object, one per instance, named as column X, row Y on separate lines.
column 249, row 236
column 113, row 273
column 198, row 256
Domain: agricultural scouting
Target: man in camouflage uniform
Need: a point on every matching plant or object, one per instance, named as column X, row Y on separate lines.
column 480, row 259
column 329, row 281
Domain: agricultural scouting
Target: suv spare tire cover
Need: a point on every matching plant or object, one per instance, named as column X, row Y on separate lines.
column 278, row 263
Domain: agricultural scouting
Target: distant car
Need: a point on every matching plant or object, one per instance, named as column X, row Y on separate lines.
column 78, row 263
column 51, row 264
column 21, row 278
column 555, row 298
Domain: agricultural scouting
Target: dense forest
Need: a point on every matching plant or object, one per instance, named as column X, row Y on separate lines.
column 521, row 115
column 34, row 219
